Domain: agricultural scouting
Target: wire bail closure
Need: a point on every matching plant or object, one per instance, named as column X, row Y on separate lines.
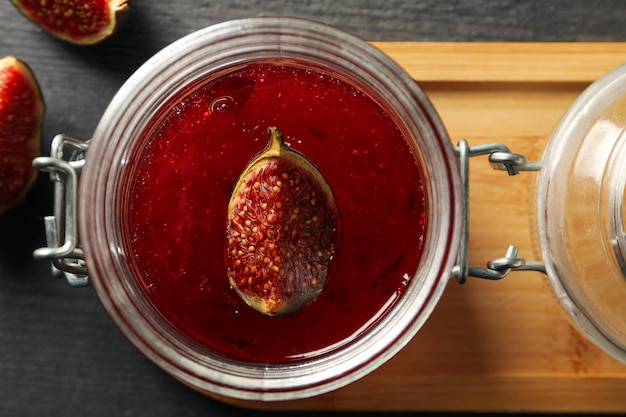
column 500, row 158
column 64, row 165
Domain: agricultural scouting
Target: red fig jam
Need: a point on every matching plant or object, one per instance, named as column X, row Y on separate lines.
column 179, row 185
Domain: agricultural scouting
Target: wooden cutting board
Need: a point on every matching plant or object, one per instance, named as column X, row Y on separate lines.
column 504, row 345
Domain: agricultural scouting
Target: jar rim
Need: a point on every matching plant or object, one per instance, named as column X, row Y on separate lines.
column 191, row 58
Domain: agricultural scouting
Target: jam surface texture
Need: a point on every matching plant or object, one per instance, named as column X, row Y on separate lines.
column 181, row 177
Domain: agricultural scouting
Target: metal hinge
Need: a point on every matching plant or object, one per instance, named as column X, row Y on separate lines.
column 501, row 158
column 64, row 165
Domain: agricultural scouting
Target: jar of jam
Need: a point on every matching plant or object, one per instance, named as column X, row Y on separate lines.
column 149, row 197
column 157, row 175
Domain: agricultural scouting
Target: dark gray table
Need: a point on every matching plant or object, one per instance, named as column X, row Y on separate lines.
column 60, row 354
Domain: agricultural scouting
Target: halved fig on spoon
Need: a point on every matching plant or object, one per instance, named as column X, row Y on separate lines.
column 282, row 231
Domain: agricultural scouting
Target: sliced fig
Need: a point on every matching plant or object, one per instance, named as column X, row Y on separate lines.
column 21, row 117
column 282, row 231
column 83, row 22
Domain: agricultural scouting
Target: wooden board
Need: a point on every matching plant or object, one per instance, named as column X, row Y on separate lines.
column 505, row 345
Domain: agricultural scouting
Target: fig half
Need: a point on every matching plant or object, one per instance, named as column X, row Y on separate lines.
column 82, row 22
column 282, row 231
column 21, row 118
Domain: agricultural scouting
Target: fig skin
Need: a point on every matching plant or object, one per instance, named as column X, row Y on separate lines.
column 21, row 118
column 282, row 231
column 73, row 21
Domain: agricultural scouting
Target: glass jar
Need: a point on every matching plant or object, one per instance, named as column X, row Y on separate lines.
column 184, row 68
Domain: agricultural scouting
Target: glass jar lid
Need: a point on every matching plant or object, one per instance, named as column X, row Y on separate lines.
column 580, row 212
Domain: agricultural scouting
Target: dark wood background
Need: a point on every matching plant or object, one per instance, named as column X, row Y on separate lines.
column 60, row 354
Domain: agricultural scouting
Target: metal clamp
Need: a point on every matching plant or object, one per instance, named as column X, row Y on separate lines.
column 501, row 158
column 64, row 164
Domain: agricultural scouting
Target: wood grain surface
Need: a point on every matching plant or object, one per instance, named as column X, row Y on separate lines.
column 60, row 355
